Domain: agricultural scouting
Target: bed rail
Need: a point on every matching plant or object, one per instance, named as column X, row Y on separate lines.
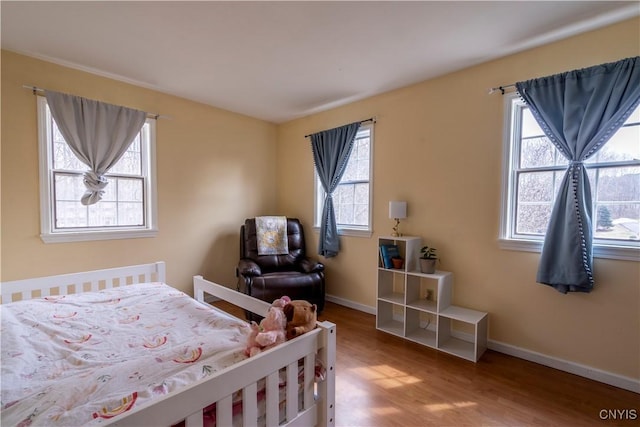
column 75, row 283
column 326, row 344
column 314, row 407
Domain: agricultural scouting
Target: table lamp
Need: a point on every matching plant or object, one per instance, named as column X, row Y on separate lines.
column 397, row 211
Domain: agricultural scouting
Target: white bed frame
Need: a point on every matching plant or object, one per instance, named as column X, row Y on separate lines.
column 318, row 400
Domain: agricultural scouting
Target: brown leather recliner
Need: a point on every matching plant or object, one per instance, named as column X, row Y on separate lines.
column 269, row 277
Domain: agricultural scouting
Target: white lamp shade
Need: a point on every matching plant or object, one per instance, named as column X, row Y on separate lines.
column 397, row 209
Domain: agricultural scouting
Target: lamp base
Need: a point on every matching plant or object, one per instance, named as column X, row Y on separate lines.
column 396, row 229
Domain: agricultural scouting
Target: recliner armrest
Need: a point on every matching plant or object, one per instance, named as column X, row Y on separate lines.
column 247, row 267
column 310, row 266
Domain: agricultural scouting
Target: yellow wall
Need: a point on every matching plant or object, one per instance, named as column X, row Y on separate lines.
column 215, row 168
column 438, row 145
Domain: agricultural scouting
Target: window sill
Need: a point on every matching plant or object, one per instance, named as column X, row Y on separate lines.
column 599, row 250
column 85, row 236
column 350, row 232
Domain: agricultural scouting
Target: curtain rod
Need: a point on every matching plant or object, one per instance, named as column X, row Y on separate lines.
column 39, row 92
column 501, row 88
column 370, row 119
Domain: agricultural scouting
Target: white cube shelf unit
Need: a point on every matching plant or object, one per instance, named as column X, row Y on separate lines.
column 417, row 306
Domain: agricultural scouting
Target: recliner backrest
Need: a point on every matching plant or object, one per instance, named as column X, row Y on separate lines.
column 295, row 238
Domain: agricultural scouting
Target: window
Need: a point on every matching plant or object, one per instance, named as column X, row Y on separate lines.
column 534, row 168
column 352, row 197
column 127, row 208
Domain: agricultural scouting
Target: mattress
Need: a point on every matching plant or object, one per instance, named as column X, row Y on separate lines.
column 82, row 359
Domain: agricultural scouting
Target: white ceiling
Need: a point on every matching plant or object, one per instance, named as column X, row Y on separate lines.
column 281, row 60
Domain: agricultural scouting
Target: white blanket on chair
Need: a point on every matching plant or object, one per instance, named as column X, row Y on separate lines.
column 271, row 233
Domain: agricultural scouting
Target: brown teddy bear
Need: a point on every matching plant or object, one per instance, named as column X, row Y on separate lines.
column 301, row 317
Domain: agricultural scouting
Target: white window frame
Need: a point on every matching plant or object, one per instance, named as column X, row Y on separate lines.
column 48, row 231
column 320, row 194
column 507, row 240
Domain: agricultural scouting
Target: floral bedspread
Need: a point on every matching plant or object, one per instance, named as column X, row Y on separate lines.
column 81, row 359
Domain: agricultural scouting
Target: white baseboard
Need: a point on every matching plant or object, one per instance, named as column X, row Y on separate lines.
column 599, row 375
column 350, row 304
column 620, row 381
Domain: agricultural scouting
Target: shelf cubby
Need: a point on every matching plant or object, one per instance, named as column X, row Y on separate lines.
column 390, row 318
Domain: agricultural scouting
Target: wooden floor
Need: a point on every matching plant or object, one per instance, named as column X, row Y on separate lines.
column 382, row 380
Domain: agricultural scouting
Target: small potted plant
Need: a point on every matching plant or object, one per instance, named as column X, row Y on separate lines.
column 428, row 259
column 397, row 262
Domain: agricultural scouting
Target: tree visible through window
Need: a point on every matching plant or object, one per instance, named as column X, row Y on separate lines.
column 535, row 169
column 122, row 203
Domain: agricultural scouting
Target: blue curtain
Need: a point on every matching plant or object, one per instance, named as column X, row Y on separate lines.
column 578, row 111
column 331, row 150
